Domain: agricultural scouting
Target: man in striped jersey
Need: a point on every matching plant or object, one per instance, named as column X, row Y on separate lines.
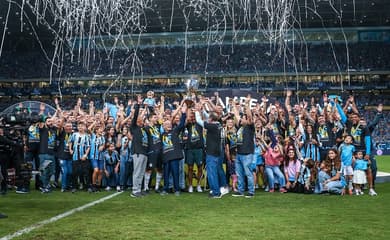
column 79, row 147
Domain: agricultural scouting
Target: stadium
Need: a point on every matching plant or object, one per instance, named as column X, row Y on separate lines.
column 194, row 119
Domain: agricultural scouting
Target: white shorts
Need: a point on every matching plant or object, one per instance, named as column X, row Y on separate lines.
column 347, row 170
column 359, row 177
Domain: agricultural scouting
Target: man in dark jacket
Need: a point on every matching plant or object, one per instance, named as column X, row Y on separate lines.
column 172, row 151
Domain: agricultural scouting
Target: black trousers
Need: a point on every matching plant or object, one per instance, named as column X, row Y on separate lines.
column 4, row 158
column 81, row 169
column 33, row 156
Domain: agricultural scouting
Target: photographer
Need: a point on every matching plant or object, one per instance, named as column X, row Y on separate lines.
column 6, row 155
column 1, row 180
column 22, row 169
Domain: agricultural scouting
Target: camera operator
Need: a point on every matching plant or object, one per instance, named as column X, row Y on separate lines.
column 1, row 180
column 17, row 133
column 8, row 147
column 4, row 158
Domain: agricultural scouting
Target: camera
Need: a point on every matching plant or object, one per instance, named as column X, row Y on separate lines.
column 20, row 117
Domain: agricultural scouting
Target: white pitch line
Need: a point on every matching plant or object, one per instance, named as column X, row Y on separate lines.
column 56, row 218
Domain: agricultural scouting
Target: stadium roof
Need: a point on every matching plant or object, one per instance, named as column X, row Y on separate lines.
column 161, row 18
column 357, row 13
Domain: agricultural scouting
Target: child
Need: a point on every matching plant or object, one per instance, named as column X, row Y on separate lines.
column 307, row 176
column 346, row 152
column 359, row 172
column 111, row 166
column 150, row 101
column 323, row 178
column 125, row 162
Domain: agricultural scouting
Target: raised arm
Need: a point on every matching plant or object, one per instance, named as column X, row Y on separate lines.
column 136, row 110
column 379, row 115
column 236, row 113
column 91, row 108
column 248, row 110
column 271, row 134
column 183, row 117
column 177, row 110
column 341, row 112
column 198, row 118
column 287, row 101
column 162, row 107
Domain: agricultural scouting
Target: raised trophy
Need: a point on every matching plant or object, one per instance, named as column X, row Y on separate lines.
column 192, row 86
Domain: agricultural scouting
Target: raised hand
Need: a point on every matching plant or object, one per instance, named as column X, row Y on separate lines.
column 139, row 99
column 380, row 108
column 325, row 97
column 184, row 108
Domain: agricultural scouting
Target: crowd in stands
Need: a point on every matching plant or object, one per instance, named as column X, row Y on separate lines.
column 318, row 146
column 259, row 58
column 125, row 88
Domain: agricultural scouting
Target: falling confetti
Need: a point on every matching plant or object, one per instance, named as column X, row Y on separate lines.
column 90, row 31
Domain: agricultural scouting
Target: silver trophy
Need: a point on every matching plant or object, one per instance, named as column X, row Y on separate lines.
column 192, row 86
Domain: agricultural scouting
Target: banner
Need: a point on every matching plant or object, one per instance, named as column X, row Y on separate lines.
column 238, row 95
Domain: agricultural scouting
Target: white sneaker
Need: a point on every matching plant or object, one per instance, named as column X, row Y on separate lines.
column 372, row 192
column 118, row 188
column 108, row 188
column 190, row 189
column 357, row 193
column 199, row 188
column 224, row 190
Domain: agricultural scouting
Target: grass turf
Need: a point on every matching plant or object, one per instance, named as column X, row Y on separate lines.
column 383, row 163
column 194, row 216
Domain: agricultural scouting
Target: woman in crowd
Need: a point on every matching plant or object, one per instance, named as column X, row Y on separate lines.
column 330, row 176
column 292, row 167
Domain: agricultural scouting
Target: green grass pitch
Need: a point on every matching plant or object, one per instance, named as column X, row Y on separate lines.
column 194, row 216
